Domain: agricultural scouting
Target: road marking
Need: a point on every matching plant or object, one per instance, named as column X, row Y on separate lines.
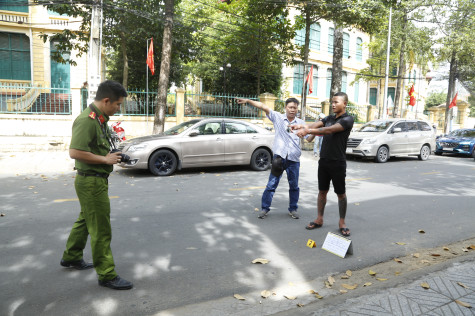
column 434, row 172
column 359, row 179
column 76, row 199
column 248, row 188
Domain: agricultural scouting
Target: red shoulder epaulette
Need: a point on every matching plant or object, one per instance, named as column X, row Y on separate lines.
column 92, row 115
column 101, row 119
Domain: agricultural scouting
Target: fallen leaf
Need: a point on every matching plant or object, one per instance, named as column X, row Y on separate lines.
column 416, row 255
column 435, row 255
column 260, row 260
column 328, row 285
column 266, row 294
column 471, row 247
column 425, row 261
column 331, row 280
column 425, row 285
column 381, row 279
column 446, row 248
column 256, row 209
column 398, row 260
column 367, row 284
column 371, row 272
column 311, row 291
column 348, row 273
column 239, row 297
column 2, row 214
column 345, row 277
column 397, row 273
column 300, row 305
column 462, row 285
column 350, row 287
column 318, row 296
column 463, row 304
column 422, row 231
column 343, row 291
column 401, row 243
column 290, row 297
column 218, row 175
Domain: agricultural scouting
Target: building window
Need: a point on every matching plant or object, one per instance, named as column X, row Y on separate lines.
column 331, row 31
column 300, row 37
column 15, row 56
column 14, row 5
column 391, row 93
column 298, row 78
column 373, row 96
column 329, row 81
column 359, row 49
column 346, row 45
column 357, row 91
column 315, row 36
column 344, row 79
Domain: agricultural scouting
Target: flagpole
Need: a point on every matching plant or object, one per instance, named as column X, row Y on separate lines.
column 386, row 81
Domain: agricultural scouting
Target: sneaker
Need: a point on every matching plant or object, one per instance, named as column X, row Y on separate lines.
column 262, row 214
column 294, row 214
column 117, row 283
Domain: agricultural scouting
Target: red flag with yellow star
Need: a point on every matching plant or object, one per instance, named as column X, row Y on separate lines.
column 412, row 97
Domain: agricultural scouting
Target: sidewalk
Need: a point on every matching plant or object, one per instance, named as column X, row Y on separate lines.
column 449, row 289
column 35, row 163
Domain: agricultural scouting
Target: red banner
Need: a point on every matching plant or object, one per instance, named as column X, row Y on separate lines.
column 150, row 63
column 309, row 80
column 412, row 97
column 454, row 101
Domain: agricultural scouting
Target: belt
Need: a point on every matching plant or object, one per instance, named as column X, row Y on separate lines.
column 100, row 175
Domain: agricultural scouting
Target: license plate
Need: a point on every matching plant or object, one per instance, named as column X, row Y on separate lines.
column 447, row 149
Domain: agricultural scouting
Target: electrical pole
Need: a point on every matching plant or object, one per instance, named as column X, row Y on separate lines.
column 386, row 81
column 94, row 53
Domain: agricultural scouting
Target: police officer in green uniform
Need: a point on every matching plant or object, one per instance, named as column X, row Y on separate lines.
column 90, row 147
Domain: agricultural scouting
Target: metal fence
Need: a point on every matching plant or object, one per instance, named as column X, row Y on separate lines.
column 137, row 104
column 26, row 99
column 220, row 105
column 359, row 112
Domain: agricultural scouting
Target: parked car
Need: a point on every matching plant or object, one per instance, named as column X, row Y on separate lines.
column 201, row 143
column 386, row 138
column 459, row 141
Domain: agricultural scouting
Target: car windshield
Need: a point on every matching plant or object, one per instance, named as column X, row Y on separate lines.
column 180, row 128
column 463, row 133
column 375, row 126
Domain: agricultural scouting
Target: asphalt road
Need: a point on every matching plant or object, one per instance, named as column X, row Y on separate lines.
column 187, row 241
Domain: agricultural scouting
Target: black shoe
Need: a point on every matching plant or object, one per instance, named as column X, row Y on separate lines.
column 78, row 264
column 117, row 283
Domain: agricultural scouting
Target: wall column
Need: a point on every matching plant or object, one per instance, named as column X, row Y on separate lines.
column 180, row 105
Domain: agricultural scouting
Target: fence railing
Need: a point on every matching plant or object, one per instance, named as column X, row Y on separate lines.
column 359, row 112
column 137, row 103
column 27, row 99
column 220, row 105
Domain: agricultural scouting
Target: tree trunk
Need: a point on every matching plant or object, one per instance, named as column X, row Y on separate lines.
column 402, row 68
column 451, row 89
column 303, row 98
column 125, row 72
column 337, row 61
column 259, row 64
column 159, row 122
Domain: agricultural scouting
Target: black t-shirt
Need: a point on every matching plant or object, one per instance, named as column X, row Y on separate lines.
column 334, row 145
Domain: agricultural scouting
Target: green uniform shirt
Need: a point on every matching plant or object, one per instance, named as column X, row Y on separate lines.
column 88, row 136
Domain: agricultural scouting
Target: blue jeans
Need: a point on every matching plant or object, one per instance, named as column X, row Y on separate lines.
column 292, row 169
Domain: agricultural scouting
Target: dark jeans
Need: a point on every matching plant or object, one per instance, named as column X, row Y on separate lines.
column 292, row 170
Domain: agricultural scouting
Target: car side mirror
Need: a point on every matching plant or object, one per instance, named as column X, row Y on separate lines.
column 397, row 130
column 193, row 134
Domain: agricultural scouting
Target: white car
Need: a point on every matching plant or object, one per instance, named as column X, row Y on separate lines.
column 386, row 138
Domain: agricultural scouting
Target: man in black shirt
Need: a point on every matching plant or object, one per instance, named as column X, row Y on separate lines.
column 335, row 129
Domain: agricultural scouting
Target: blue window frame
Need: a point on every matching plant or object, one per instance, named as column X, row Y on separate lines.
column 329, row 81
column 315, row 36
column 359, row 49
column 357, row 91
column 15, row 56
column 298, row 79
column 346, row 45
column 300, row 37
column 373, row 96
column 331, row 32
column 344, row 79
column 14, row 5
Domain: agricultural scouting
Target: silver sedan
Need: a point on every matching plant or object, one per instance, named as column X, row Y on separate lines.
column 201, row 143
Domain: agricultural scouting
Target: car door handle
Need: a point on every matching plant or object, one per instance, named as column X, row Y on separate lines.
column 255, row 137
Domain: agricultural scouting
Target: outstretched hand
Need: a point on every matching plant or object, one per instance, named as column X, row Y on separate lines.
column 241, row 101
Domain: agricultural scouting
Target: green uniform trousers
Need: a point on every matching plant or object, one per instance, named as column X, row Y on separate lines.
column 94, row 220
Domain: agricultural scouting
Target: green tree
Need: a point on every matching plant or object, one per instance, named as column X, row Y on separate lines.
column 435, row 99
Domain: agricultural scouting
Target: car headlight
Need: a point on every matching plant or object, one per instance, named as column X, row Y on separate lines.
column 137, row 147
column 368, row 141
